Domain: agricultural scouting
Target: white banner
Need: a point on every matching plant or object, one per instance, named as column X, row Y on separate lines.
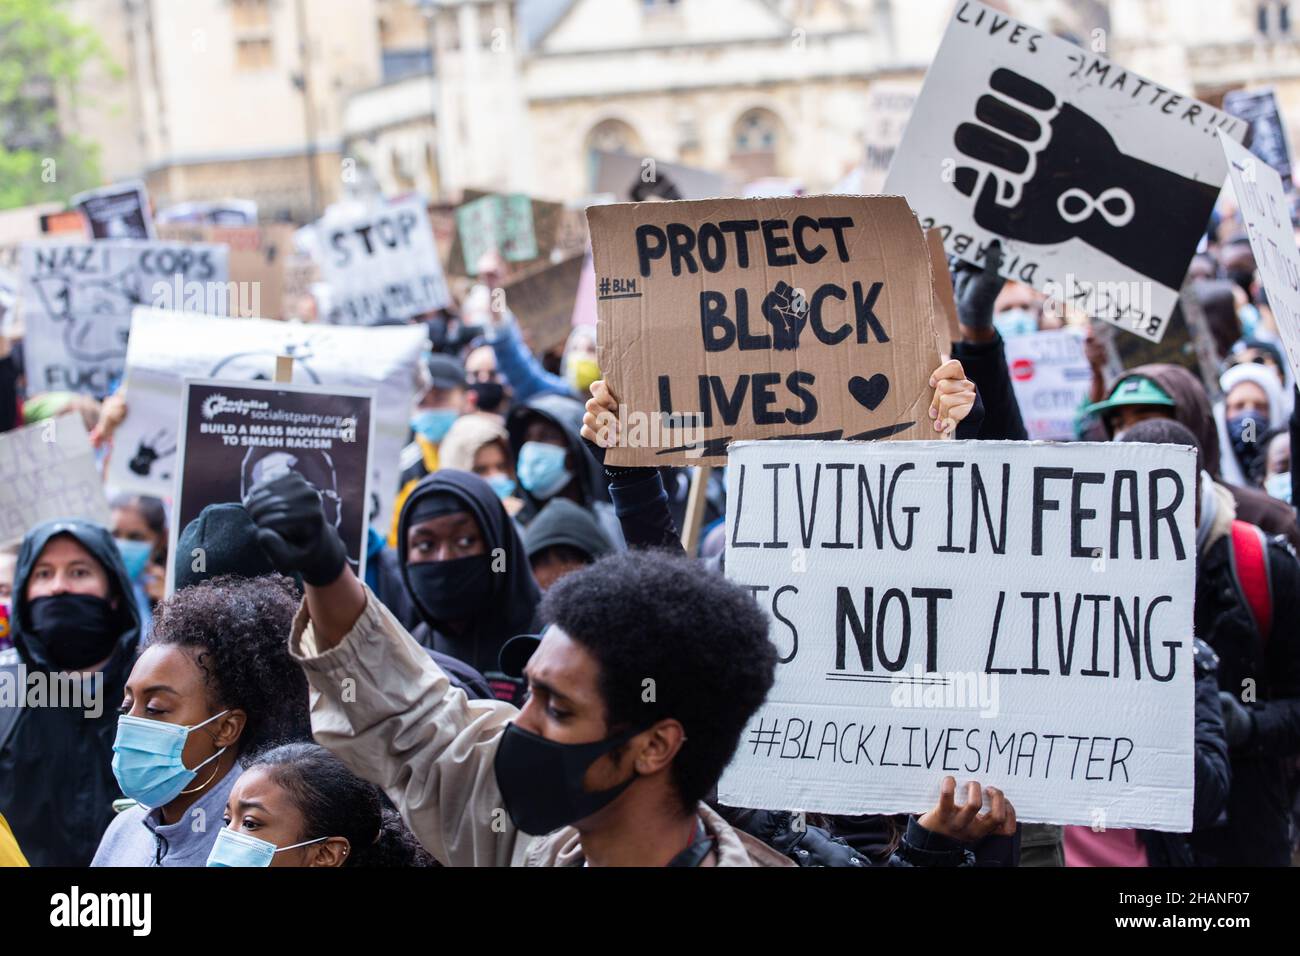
column 48, row 471
column 1267, row 214
column 168, row 347
column 382, row 265
column 1015, row 613
column 1098, row 181
column 77, row 299
column 1051, row 378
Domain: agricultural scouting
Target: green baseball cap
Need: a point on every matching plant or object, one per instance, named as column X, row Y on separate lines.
column 1134, row 390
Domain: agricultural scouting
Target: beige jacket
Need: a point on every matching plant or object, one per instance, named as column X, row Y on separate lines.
column 390, row 714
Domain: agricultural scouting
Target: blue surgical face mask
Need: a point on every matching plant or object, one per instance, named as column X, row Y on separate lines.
column 1012, row 322
column 541, row 469
column 1279, row 486
column 147, row 759
column 135, row 555
column 503, row 485
column 1249, row 317
column 433, row 423
column 234, row 848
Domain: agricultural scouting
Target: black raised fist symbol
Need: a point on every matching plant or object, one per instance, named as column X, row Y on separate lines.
column 1043, row 172
column 146, row 455
column 786, row 311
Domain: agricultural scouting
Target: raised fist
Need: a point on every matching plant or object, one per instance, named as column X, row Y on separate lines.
column 786, row 311
column 1044, row 172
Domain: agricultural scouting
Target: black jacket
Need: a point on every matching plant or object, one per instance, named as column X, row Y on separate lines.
column 1213, row 773
column 1256, row 830
column 985, row 364
column 56, row 778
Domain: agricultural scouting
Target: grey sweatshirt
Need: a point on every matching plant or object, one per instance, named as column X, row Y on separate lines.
column 138, row 837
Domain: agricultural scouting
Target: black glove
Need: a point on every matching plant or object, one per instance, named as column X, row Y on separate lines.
column 1238, row 723
column 292, row 530
column 976, row 289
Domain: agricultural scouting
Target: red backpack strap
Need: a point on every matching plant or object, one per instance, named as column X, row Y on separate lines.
column 1250, row 568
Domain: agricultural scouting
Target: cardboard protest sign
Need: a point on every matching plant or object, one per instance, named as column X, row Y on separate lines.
column 120, row 211
column 643, row 178
column 947, row 324
column 500, row 223
column 77, row 299
column 1051, row 379
column 382, row 264
column 1014, row 613
column 1264, row 209
column 236, row 434
column 258, row 258
column 1268, row 139
column 48, row 471
column 542, row 301
column 1098, row 182
column 168, row 347
column 762, row 318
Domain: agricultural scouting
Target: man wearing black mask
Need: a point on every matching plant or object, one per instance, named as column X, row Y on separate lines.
column 76, row 631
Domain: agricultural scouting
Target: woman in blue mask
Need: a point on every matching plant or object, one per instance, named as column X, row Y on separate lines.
column 140, row 532
column 298, row 805
column 1251, row 404
column 214, row 682
column 480, row 444
column 465, row 567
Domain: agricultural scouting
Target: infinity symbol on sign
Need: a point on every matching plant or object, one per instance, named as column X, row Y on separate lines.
column 1098, row 205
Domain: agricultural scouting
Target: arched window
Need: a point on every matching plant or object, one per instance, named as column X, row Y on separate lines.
column 610, row 136
column 757, row 142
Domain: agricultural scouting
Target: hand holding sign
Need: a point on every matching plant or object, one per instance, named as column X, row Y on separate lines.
column 965, row 823
column 954, row 396
column 1044, row 172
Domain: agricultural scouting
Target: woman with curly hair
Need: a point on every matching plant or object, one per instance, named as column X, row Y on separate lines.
column 298, row 805
column 214, row 683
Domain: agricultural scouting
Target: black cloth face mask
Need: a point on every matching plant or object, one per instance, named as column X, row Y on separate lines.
column 73, row 631
column 490, row 395
column 541, row 780
column 452, row 590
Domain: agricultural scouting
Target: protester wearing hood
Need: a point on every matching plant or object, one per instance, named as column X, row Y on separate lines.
column 1247, row 605
column 551, row 462
column 1251, row 405
column 1260, row 352
column 480, row 445
column 592, row 771
column 563, row 538
column 1170, row 391
column 434, row 414
column 140, row 530
column 73, row 611
column 214, row 683
column 299, row 805
column 467, row 573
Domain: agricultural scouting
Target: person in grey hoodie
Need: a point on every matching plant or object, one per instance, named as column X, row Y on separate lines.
column 214, row 684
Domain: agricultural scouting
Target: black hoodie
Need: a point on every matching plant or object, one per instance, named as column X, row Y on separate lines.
column 515, row 595
column 566, row 414
column 56, row 778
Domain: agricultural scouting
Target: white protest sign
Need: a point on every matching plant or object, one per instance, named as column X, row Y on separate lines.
column 1051, row 378
column 48, row 471
column 77, row 299
column 168, row 347
column 381, row 264
column 1098, row 182
column 1266, row 212
column 1015, row 613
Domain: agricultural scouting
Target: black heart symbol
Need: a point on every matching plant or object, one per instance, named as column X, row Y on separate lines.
column 869, row 392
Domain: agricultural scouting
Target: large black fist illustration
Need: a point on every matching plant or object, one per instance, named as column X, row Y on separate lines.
column 1044, row 172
